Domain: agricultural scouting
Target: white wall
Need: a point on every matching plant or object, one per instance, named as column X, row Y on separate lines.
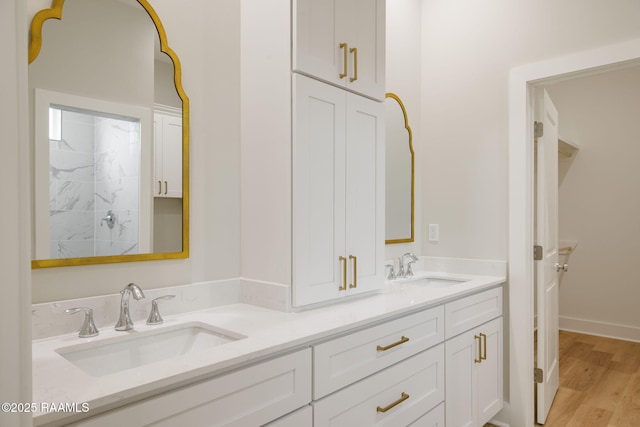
column 205, row 36
column 599, row 204
column 468, row 49
column 403, row 75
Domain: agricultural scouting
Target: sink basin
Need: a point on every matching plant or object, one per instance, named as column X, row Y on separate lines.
column 135, row 349
column 435, row 282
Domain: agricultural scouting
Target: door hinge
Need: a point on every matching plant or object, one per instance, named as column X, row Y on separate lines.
column 537, row 375
column 537, row 253
column 538, row 129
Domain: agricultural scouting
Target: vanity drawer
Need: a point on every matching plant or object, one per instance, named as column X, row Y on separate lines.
column 469, row 312
column 415, row 386
column 252, row 396
column 303, row 417
column 345, row 360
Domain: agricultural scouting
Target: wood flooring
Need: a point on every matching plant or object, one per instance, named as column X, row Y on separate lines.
column 599, row 383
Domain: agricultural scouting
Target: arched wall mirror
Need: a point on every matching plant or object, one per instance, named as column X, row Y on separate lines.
column 110, row 136
column 399, row 180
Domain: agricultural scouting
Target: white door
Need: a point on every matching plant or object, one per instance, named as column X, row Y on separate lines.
column 461, row 389
column 547, row 237
column 319, row 258
column 365, row 193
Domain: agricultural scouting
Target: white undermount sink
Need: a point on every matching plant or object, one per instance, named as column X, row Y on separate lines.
column 434, row 282
column 134, row 349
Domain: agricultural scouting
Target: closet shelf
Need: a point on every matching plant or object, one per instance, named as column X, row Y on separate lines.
column 566, row 148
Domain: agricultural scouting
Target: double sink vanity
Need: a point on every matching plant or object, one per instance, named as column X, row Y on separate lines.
column 425, row 348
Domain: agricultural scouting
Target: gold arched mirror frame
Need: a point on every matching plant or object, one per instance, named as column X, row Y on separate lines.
column 408, row 237
column 35, row 45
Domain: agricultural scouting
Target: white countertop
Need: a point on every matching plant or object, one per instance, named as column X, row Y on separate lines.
column 56, row 380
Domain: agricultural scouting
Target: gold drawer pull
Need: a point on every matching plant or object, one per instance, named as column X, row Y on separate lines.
column 403, row 397
column 343, row 260
column 387, row 347
column 354, row 50
column 479, row 359
column 344, row 60
column 355, row 272
column 484, row 346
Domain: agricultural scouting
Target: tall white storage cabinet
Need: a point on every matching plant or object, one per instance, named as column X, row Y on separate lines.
column 312, row 148
column 338, row 192
column 341, row 42
column 167, row 153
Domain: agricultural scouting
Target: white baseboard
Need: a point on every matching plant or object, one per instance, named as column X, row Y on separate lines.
column 602, row 329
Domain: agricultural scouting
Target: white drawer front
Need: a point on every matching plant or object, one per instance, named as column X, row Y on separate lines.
column 420, row 377
column 303, row 417
column 252, row 396
column 343, row 361
column 469, row 312
column 435, row 418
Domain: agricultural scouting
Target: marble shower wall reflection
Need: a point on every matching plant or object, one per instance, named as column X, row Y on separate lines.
column 94, row 168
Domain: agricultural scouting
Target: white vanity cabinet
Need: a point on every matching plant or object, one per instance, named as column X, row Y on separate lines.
column 251, row 396
column 341, row 42
column 167, row 153
column 474, row 359
column 338, row 192
column 391, row 374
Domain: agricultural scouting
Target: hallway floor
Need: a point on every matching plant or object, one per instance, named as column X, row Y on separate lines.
column 599, row 383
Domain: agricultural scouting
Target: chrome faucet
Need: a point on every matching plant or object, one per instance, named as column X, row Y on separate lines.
column 400, row 272
column 412, row 258
column 124, row 322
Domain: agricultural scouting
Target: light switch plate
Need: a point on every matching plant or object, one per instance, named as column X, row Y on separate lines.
column 434, row 232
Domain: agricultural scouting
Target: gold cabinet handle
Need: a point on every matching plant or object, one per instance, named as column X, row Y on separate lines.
column 402, row 340
column 404, row 396
column 354, row 50
column 343, row 260
column 483, row 337
column 345, row 71
column 479, row 359
column 159, row 187
column 166, row 187
column 355, row 272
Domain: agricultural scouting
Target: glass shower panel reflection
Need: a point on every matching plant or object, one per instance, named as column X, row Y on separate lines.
column 94, row 185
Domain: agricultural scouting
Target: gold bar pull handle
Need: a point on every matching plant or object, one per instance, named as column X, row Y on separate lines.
column 355, row 272
column 402, row 340
column 345, row 70
column 166, row 187
column 403, row 396
column 343, row 287
column 479, row 339
column 159, row 187
column 354, row 50
column 483, row 337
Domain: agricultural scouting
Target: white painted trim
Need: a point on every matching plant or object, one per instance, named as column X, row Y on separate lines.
column 15, row 253
column 520, row 275
column 601, row 329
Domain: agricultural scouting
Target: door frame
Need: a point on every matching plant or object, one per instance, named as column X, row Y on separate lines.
column 522, row 81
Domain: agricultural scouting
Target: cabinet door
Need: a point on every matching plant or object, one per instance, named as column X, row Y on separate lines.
column 366, row 34
column 319, row 27
column 490, row 372
column 318, row 191
column 474, row 375
column 341, row 42
column 365, row 194
column 167, row 156
column 461, row 385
